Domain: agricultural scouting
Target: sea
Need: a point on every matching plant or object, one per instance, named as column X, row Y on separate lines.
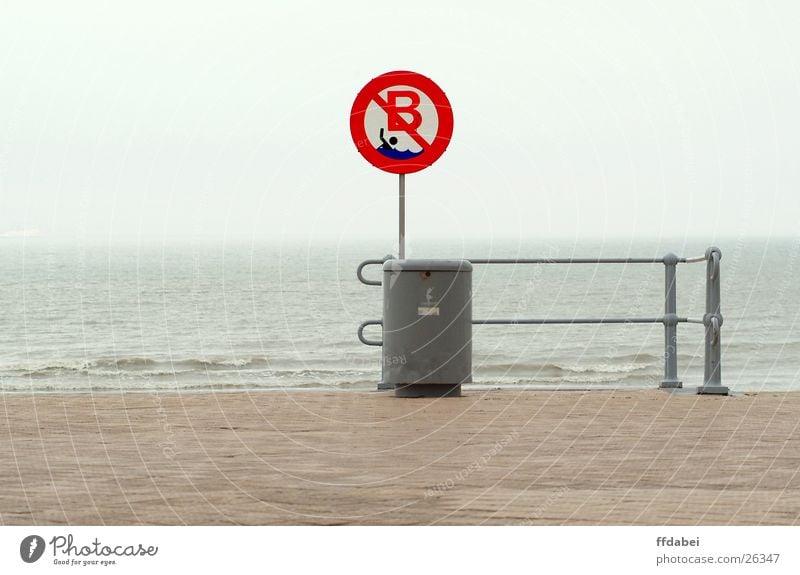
column 211, row 317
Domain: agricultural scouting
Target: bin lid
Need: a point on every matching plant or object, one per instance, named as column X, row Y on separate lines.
column 394, row 265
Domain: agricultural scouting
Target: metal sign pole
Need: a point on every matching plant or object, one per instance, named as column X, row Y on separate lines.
column 402, row 248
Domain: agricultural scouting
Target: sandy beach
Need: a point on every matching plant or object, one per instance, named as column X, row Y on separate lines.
column 490, row 457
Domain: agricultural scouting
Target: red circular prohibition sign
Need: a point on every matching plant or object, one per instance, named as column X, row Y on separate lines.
column 430, row 152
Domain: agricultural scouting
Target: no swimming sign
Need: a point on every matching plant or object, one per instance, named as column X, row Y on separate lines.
column 401, row 122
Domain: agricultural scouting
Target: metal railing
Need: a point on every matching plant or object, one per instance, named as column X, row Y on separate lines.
column 712, row 319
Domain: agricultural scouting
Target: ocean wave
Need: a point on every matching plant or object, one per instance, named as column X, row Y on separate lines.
column 582, row 379
column 637, row 358
column 562, row 370
column 317, row 369
column 106, row 386
column 322, row 365
column 130, row 365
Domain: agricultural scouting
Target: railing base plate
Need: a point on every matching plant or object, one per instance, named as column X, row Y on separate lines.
column 666, row 384
column 385, row 386
column 713, row 390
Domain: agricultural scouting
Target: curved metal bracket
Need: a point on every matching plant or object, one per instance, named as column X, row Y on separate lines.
column 715, row 325
column 714, row 254
column 366, row 263
column 363, row 339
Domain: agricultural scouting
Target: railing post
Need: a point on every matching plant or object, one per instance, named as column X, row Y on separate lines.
column 670, row 380
column 712, row 380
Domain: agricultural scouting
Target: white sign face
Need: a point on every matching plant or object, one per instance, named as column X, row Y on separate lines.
column 417, row 111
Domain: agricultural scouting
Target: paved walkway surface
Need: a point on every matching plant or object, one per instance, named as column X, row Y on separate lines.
column 495, row 457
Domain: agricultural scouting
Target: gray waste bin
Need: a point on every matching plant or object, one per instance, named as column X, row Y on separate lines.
column 427, row 326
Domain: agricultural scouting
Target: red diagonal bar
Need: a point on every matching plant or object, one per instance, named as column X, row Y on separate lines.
column 413, row 133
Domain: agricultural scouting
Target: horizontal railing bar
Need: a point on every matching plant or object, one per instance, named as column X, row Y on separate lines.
column 695, row 259
column 588, row 320
column 693, row 320
column 570, row 260
column 512, row 261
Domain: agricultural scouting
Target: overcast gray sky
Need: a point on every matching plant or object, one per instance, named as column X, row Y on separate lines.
column 166, row 120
